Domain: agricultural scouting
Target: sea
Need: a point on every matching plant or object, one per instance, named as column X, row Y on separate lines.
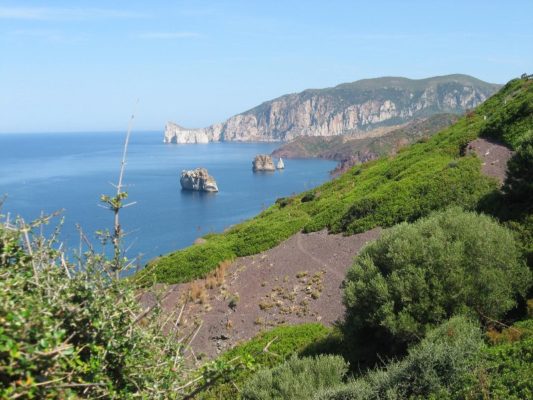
column 66, row 173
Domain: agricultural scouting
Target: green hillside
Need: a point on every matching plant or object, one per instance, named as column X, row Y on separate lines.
column 424, row 177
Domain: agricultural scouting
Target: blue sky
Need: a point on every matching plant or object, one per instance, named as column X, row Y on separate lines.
column 80, row 65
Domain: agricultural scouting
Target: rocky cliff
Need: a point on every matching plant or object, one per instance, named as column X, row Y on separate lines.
column 349, row 108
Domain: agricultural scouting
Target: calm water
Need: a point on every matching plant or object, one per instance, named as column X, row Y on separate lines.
column 49, row 172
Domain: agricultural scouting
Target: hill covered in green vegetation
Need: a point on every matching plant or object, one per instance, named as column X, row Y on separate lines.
column 426, row 176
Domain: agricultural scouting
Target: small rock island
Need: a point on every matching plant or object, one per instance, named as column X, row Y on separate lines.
column 263, row 162
column 199, row 180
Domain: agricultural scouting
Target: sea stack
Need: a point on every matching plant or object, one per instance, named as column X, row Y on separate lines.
column 199, row 180
column 280, row 164
column 263, row 162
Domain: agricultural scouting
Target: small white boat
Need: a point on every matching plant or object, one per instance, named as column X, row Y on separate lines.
column 280, row 164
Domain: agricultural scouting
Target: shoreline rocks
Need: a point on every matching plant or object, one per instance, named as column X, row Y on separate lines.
column 199, row 180
column 263, row 162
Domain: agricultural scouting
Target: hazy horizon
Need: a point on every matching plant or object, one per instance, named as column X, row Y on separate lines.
column 81, row 68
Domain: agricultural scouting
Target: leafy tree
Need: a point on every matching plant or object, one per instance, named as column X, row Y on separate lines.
column 418, row 275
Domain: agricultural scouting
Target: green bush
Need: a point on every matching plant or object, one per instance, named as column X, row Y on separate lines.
column 418, row 275
column 519, row 183
column 309, row 196
column 297, row 378
column 505, row 369
column 284, row 342
column 435, row 368
column 71, row 334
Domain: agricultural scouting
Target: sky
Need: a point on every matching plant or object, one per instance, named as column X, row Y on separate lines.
column 68, row 66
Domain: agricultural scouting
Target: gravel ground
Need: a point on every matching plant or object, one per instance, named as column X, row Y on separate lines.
column 297, row 281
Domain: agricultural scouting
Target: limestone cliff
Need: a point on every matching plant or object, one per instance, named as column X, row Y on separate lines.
column 350, row 108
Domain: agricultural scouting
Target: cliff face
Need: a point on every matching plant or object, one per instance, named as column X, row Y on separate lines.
column 351, row 108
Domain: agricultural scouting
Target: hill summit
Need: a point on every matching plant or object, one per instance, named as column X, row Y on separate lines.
column 347, row 109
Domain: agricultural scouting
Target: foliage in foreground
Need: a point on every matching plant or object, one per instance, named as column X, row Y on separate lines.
column 418, row 275
column 280, row 343
column 435, row 368
column 296, row 378
column 506, row 367
column 438, row 366
column 73, row 334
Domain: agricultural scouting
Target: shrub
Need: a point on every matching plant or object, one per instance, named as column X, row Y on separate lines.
column 418, row 275
column 519, row 183
column 309, row 196
column 67, row 333
column 505, row 369
column 297, row 378
column 435, row 368
column 282, row 342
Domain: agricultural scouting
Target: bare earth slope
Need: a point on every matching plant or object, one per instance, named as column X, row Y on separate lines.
column 295, row 282
column 494, row 157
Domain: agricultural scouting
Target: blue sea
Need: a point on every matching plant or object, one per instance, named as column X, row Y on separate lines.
column 44, row 173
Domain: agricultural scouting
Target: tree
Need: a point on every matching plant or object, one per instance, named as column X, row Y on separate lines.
column 418, row 275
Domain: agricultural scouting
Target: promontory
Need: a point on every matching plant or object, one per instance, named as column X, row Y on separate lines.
column 347, row 109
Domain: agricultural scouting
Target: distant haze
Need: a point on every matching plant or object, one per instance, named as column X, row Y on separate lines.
column 80, row 66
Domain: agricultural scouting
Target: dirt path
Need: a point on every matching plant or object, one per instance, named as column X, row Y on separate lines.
column 297, row 281
column 494, row 157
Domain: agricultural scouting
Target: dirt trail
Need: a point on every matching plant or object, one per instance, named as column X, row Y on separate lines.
column 297, row 281
column 494, row 157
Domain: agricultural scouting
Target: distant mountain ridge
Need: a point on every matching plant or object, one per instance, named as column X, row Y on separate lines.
column 346, row 109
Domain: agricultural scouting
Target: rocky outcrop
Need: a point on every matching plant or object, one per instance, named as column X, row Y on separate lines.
column 263, row 162
column 350, row 108
column 177, row 134
column 198, row 179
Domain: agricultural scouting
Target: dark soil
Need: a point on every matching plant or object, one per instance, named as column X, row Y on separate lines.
column 494, row 157
column 298, row 281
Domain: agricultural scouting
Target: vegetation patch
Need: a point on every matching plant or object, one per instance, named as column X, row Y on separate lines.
column 268, row 349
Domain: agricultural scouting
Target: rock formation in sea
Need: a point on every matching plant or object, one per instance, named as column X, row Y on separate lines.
column 263, row 162
column 347, row 109
column 280, row 164
column 198, row 179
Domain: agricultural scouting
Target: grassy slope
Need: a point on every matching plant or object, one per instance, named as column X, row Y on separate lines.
column 423, row 177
